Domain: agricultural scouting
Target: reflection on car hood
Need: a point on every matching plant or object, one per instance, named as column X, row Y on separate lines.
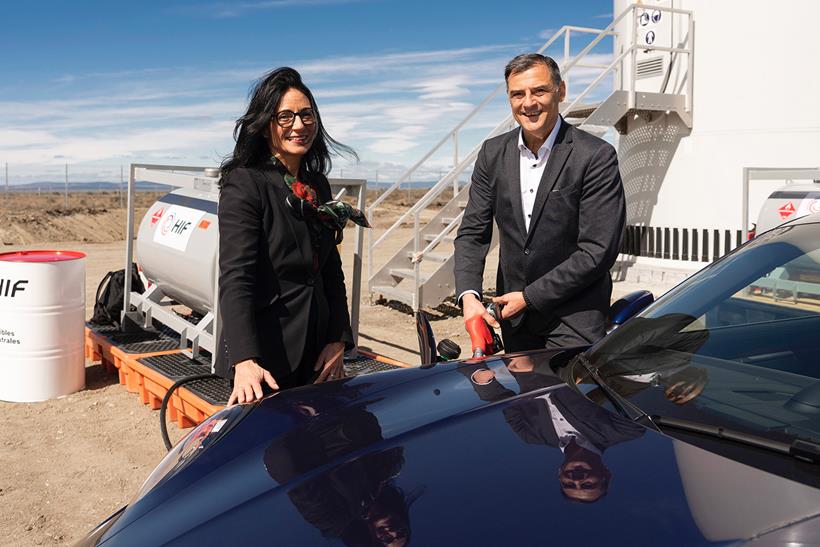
column 467, row 454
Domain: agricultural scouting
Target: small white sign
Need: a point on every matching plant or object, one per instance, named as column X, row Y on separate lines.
column 175, row 227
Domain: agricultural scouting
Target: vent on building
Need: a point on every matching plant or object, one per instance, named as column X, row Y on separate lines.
column 647, row 68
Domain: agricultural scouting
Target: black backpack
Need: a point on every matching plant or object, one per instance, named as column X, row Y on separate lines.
column 108, row 303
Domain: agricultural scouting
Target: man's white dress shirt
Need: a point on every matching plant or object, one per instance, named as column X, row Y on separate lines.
column 531, row 167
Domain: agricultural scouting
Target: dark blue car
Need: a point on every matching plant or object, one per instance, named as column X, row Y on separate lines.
column 695, row 422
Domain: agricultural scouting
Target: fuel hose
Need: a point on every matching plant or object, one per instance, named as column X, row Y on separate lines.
column 164, row 407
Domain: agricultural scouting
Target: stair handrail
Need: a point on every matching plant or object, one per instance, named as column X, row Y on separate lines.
column 418, row 257
column 441, row 184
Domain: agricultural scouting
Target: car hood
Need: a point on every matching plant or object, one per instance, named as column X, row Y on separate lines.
column 465, row 453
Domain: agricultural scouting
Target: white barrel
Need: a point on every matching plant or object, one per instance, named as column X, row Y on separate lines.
column 42, row 310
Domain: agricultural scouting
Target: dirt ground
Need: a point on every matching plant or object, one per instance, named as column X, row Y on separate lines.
column 91, row 217
column 70, row 462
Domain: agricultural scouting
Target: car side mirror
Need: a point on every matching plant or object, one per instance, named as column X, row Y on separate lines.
column 427, row 341
column 628, row 306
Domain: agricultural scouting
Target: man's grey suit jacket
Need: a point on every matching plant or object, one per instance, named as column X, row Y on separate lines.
column 575, row 232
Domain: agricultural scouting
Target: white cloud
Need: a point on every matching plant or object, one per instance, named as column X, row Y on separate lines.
column 391, row 145
column 17, row 138
column 444, row 88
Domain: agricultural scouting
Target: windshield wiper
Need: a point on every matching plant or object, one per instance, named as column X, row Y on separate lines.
column 618, row 401
column 802, row 449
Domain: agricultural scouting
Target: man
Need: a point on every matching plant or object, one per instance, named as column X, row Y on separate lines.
column 556, row 195
column 559, row 418
column 564, row 419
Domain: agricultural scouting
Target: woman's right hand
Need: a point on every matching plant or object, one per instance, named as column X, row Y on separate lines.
column 247, row 382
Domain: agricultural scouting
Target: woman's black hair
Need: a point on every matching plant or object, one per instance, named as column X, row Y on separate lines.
column 251, row 130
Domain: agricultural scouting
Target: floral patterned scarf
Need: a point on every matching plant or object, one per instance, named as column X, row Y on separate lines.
column 303, row 201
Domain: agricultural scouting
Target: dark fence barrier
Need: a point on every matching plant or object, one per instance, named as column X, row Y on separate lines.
column 688, row 244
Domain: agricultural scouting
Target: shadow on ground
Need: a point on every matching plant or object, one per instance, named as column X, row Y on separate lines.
column 96, row 377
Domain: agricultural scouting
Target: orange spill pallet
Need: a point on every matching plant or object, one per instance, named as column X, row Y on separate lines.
column 98, row 348
column 152, row 372
column 185, row 408
column 382, row 359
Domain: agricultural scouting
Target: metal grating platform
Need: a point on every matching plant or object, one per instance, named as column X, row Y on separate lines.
column 176, row 365
column 364, row 365
column 215, row 391
column 145, row 341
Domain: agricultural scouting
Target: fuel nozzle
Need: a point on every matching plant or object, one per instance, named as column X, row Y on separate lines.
column 484, row 339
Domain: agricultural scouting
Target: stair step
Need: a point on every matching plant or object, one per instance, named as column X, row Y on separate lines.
column 394, row 293
column 581, row 110
column 433, row 257
column 431, row 237
column 407, row 273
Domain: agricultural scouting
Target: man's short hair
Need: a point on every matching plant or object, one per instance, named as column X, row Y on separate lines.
column 526, row 61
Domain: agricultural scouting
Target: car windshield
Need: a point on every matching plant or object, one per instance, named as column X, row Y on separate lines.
column 737, row 345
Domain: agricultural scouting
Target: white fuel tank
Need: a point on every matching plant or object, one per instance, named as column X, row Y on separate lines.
column 177, row 246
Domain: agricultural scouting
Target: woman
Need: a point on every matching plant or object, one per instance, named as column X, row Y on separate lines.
column 282, row 295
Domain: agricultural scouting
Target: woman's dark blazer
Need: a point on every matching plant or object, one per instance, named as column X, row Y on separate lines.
column 266, row 280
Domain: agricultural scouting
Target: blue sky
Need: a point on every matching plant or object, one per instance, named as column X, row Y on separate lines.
column 100, row 84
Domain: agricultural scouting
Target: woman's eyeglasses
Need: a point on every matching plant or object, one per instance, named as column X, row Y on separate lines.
column 285, row 118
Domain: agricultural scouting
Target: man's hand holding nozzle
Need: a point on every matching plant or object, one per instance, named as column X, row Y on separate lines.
column 472, row 306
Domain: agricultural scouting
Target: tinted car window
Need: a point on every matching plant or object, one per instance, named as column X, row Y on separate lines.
column 736, row 345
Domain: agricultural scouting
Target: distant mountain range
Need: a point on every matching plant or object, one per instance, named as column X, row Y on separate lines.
column 141, row 186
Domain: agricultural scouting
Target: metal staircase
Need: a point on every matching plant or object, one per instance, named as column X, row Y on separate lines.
column 420, row 272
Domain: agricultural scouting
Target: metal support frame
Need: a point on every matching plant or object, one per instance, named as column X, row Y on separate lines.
column 205, row 333
column 360, row 188
column 771, row 173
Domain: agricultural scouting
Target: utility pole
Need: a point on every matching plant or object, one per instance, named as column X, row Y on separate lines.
column 121, row 179
column 66, row 186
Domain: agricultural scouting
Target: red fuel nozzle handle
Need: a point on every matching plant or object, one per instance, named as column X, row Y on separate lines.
column 481, row 337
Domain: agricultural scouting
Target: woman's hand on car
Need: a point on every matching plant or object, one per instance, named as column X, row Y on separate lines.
column 247, row 382
column 330, row 362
